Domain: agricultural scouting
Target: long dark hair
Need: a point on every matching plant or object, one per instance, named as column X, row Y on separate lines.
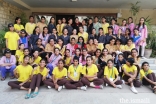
column 50, row 20
column 130, row 18
column 62, row 41
column 43, row 30
column 83, row 44
column 124, row 20
column 140, row 23
column 37, row 40
column 135, row 50
column 83, row 57
column 99, row 33
column 17, row 18
column 65, row 56
column 128, row 31
column 87, row 64
column 34, row 31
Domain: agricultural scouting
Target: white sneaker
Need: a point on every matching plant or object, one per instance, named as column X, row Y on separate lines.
column 92, row 84
column 49, row 87
column 119, row 86
column 134, row 90
column 84, row 88
column 143, row 57
column 59, row 88
column 123, row 82
column 63, row 87
column 101, row 86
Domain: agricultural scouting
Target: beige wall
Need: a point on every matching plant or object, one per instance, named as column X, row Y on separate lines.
column 8, row 13
column 125, row 12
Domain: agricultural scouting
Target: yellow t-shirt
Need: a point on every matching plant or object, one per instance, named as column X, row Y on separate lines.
column 29, row 27
column 61, row 50
column 24, row 72
column 91, row 47
column 143, row 73
column 18, row 27
column 75, row 72
column 129, row 69
column 12, row 38
column 19, row 53
column 59, row 74
column 92, row 70
column 60, row 29
column 84, row 35
column 44, row 72
column 120, row 48
column 68, row 60
column 37, row 60
column 129, row 48
column 105, row 27
column 111, row 73
column 100, row 46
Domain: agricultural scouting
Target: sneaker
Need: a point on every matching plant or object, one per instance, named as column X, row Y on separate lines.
column 49, row 87
column 123, row 82
column 134, row 90
column 101, row 86
column 59, row 88
column 63, row 87
column 119, row 86
column 84, row 88
column 92, row 84
column 106, row 84
column 143, row 57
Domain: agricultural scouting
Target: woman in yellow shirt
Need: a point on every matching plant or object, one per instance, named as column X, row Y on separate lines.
column 111, row 75
column 58, row 78
column 18, row 26
column 91, row 47
column 61, row 46
column 98, row 45
column 35, row 59
column 38, row 75
column 135, row 56
column 90, row 75
column 60, row 27
column 67, row 58
column 74, row 73
column 83, row 34
column 23, row 76
column 20, row 51
column 129, row 75
column 147, row 76
column 105, row 25
column 30, row 26
column 128, row 47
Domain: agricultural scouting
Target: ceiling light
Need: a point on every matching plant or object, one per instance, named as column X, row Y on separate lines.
column 73, row 0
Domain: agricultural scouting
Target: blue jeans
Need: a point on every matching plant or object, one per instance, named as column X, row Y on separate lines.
column 50, row 67
column 4, row 70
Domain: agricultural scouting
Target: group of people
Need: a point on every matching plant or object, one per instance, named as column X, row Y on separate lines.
column 76, row 55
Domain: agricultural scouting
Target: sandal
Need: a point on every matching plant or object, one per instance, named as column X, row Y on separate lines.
column 12, row 77
column 27, row 96
column 2, row 79
column 34, row 94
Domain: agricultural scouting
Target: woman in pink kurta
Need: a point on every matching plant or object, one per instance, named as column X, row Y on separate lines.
column 82, row 59
column 131, row 25
column 123, row 26
column 143, row 33
column 44, row 36
column 115, row 27
column 71, row 46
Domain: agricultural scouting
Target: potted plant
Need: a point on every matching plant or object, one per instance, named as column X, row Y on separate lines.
column 2, row 39
column 151, row 44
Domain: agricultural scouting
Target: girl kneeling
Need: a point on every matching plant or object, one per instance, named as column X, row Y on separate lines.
column 38, row 76
column 90, row 74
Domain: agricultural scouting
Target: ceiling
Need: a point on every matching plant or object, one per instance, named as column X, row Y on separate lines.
column 145, row 4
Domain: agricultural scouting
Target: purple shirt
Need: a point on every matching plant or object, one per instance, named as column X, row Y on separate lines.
column 54, row 59
column 11, row 60
column 24, row 40
column 44, row 39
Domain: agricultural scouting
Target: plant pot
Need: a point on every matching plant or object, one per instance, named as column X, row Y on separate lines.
column 148, row 53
